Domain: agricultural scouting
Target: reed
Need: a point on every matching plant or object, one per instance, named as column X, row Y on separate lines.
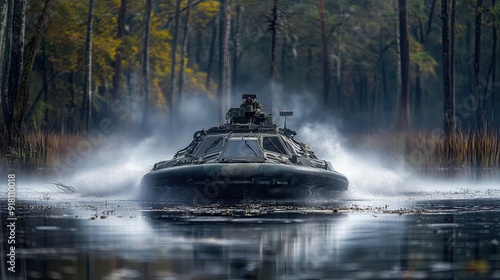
column 425, row 150
column 460, row 150
column 35, row 151
column 478, row 150
column 27, row 153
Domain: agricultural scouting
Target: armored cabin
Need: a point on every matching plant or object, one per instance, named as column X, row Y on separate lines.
column 247, row 137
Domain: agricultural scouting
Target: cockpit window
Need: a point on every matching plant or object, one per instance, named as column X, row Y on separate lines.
column 211, row 144
column 273, row 144
column 238, row 148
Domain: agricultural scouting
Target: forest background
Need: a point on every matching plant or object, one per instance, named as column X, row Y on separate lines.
column 421, row 74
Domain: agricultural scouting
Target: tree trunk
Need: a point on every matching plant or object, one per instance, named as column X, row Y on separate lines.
column 284, row 59
column 183, row 51
column 480, row 121
column 211, row 53
column 24, row 87
column 494, row 63
column 45, row 86
column 398, row 50
column 73, row 124
column 488, row 86
column 237, row 46
column 309, row 71
column 200, row 50
column 87, row 84
column 274, row 64
column 4, row 11
column 145, row 62
column 117, row 79
column 452, row 63
column 173, row 72
column 326, row 67
column 6, row 17
column 15, row 69
column 274, row 36
column 225, row 85
column 4, row 7
column 468, row 49
column 422, row 35
column 339, row 57
column 403, row 119
column 449, row 99
column 387, row 98
column 374, row 96
column 221, row 56
column 418, row 90
column 489, row 89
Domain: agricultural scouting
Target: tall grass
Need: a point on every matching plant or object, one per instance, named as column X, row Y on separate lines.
column 426, row 150
column 35, row 151
column 476, row 150
column 27, row 153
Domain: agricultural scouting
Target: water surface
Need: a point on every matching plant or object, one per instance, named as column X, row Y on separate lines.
column 72, row 238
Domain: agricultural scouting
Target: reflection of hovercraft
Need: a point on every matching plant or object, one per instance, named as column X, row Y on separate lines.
column 249, row 157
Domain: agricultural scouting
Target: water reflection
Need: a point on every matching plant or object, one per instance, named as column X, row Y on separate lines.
column 88, row 242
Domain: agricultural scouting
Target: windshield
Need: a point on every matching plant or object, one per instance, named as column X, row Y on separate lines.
column 273, row 144
column 210, row 144
column 245, row 147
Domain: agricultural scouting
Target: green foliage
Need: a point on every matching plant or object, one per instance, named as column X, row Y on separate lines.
column 65, row 49
column 423, row 59
column 205, row 12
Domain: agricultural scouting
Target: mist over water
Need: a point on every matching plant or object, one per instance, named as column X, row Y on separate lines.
column 114, row 168
column 372, row 174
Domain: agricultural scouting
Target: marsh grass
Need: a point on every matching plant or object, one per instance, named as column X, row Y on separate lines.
column 461, row 150
column 27, row 153
column 35, row 152
column 426, row 150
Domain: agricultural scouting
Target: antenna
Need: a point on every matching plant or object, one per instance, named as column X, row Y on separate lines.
column 285, row 114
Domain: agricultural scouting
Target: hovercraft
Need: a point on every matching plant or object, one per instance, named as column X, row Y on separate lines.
column 247, row 158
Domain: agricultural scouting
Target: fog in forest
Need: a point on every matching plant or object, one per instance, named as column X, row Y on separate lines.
column 110, row 165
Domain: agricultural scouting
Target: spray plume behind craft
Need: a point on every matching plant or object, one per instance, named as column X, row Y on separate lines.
column 114, row 165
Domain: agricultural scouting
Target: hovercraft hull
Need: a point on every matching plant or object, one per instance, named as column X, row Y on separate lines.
column 237, row 181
